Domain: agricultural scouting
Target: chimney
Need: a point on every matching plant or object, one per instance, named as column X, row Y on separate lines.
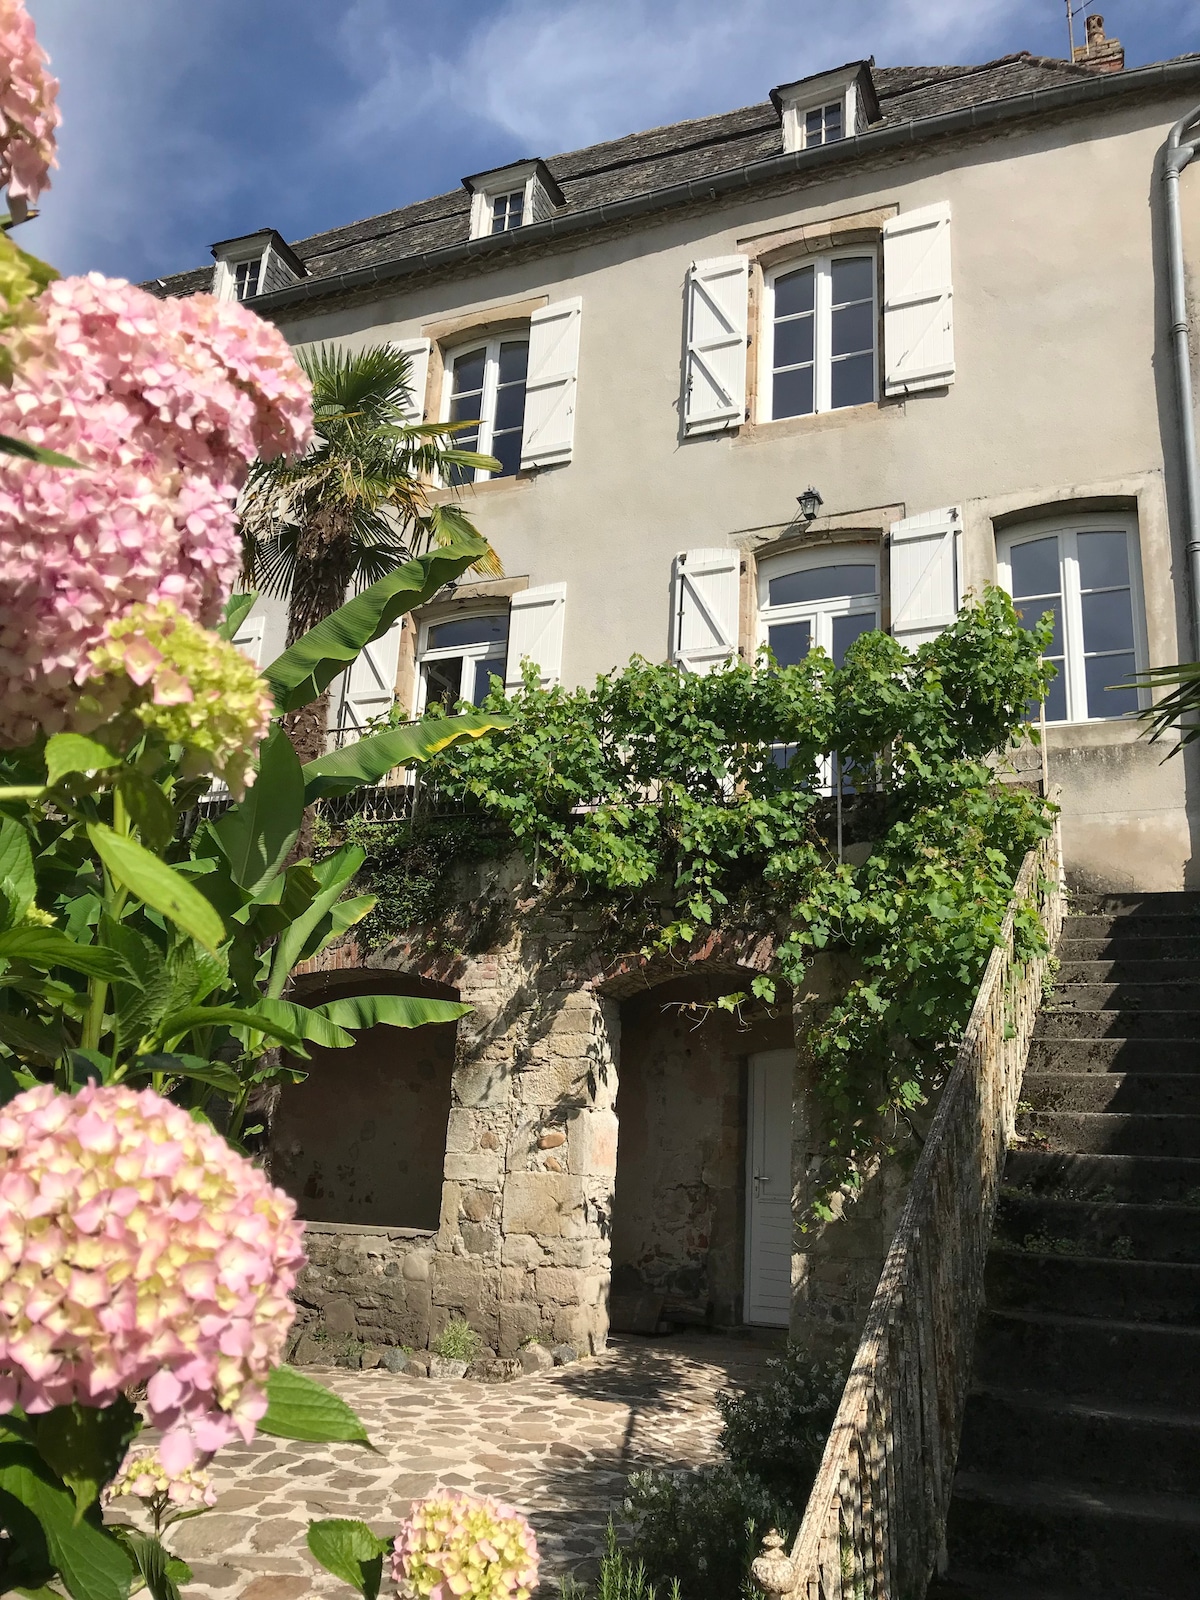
column 1099, row 54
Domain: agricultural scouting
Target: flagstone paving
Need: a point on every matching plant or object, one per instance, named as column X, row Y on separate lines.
column 558, row 1445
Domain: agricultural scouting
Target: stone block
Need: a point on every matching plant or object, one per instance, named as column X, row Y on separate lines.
column 516, row 1283
column 592, row 1144
column 462, row 1130
column 416, row 1267
column 395, row 1360
column 482, row 1083
column 339, row 1318
column 480, row 1238
column 307, row 1351
column 534, row 1358
column 518, row 1322
column 482, row 1165
column 520, row 1250
column 558, row 1283
column 544, row 1204
column 571, row 1325
column 458, row 1282
column 572, row 1020
column 477, row 1205
column 566, row 1252
column 564, row 1354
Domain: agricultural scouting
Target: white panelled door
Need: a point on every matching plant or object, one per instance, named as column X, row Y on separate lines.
column 707, row 594
column 769, row 1189
column 924, row 570
column 714, row 393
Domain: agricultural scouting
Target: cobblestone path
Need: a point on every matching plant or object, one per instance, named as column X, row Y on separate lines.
column 557, row 1445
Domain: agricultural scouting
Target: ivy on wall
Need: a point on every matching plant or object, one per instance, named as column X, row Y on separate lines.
column 683, row 803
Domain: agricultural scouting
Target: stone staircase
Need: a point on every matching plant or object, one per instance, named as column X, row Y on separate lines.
column 1079, row 1471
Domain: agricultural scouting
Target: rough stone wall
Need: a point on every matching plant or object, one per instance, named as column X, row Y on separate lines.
column 679, row 1214
column 367, row 1283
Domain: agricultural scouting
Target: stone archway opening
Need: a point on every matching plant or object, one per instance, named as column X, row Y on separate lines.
column 363, row 1139
column 684, row 1112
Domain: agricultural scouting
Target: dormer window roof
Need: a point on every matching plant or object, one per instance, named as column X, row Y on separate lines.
column 254, row 264
column 827, row 107
column 511, row 197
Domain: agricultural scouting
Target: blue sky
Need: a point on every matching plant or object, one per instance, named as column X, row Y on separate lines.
column 188, row 121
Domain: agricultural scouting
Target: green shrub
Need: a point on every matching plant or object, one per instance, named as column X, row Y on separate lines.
column 776, row 1430
column 703, row 1528
column 457, row 1341
column 618, row 1579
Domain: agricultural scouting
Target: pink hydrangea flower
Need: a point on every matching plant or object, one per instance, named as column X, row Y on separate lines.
column 165, row 403
column 137, row 1247
column 28, row 110
column 454, row 1545
column 145, row 1477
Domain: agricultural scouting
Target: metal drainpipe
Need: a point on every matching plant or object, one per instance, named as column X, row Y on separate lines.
column 1180, row 150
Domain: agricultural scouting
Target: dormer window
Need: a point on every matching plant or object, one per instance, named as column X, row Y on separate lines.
column 511, row 197
column 827, row 108
column 256, row 264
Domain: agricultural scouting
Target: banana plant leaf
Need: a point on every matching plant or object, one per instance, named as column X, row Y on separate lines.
column 371, row 758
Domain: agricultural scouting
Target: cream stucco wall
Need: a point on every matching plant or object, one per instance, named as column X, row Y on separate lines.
column 1062, row 397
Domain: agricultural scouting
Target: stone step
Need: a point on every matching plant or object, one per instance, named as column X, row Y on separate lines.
column 1113, row 1055
column 1112, row 1133
column 962, row 1584
column 1165, row 1093
column 1067, row 1024
column 1098, row 1228
column 1054, row 1533
column 1126, row 969
column 1078, row 947
column 1136, row 1180
column 1179, row 996
column 1086, row 1358
column 1162, row 1292
column 1170, row 903
column 1109, row 1445
column 1159, row 925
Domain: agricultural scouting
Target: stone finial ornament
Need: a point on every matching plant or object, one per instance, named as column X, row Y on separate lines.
column 772, row 1570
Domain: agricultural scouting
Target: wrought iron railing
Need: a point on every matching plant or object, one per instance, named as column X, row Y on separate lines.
column 876, row 1517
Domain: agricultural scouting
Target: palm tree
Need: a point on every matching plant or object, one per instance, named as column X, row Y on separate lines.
column 356, row 506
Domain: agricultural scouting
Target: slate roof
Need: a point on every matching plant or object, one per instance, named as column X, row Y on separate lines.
column 641, row 163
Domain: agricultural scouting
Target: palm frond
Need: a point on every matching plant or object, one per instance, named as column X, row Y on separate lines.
column 1178, row 712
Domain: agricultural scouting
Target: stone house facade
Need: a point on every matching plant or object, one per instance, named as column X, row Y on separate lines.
column 937, row 297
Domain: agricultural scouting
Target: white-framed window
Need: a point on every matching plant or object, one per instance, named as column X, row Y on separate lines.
column 822, row 597
column 508, row 211
column 823, row 109
column 820, row 335
column 460, row 657
column 822, row 124
column 485, row 387
column 246, row 277
column 1085, row 571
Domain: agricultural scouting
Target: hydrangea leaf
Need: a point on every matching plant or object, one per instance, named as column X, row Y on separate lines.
column 85, row 1445
column 152, row 880
column 350, row 1551
column 299, row 1408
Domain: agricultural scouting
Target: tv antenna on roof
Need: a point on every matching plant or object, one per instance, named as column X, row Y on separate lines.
column 1072, row 13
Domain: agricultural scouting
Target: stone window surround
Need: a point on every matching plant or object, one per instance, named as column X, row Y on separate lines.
column 769, row 250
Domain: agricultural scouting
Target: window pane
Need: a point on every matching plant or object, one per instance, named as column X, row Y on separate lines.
column 794, row 342
column 833, row 123
column 794, row 292
column 813, row 122
column 1107, row 620
column 510, row 406
column 1035, row 568
column 506, row 447
column 469, row 630
column 852, row 381
column 1101, row 671
column 790, row 642
column 443, row 680
column 846, row 630
column 468, row 371
column 485, row 671
column 854, row 328
column 1030, row 613
column 792, row 394
column 1056, row 697
column 514, row 361
column 853, row 279
column 1103, row 560
column 821, row 583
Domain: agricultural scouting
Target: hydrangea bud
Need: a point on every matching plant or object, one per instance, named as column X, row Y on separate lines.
column 145, row 1478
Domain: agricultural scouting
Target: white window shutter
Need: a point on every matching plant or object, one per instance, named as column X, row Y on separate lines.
column 417, row 351
column 535, row 633
column 714, row 393
column 370, row 681
column 918, row 301
column 249, row 638
column 549, row 434
column 707, row 604
column 924, row 572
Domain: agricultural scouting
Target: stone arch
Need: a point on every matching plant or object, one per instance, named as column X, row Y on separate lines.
column 362, row 1139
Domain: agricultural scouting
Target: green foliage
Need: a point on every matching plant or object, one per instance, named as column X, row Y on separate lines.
column 776, row 1429
column 619, row 1578
column 457, row 1341
column 300, row 1408
column 702, row 1529
column 350, row 1551
column 684, row 803
column 1177, row 712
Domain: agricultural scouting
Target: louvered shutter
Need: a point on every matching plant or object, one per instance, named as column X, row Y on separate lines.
column 707, row 595
column 370, row 682
column 918, row 301
column 924, row 567
column 417, row 351
column 549, row 433
column 249, row 638
column 714, row 394
column 535, row 633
